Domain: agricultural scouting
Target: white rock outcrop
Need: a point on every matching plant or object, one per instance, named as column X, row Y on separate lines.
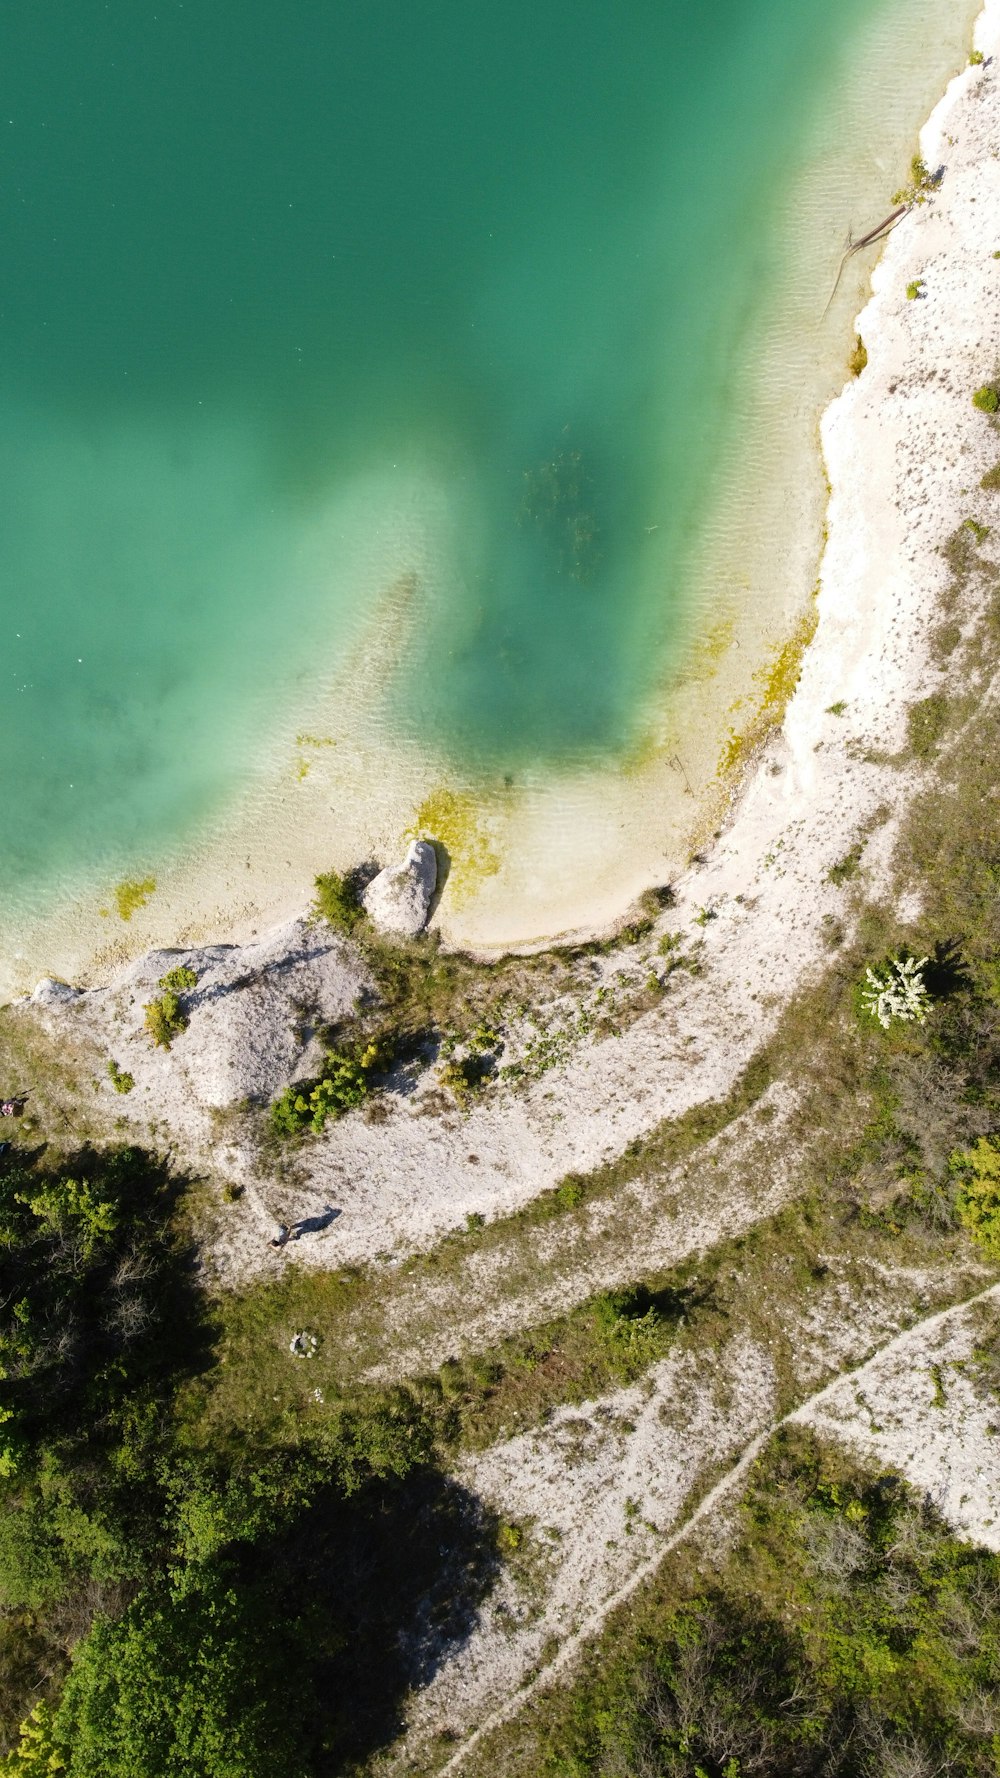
column 398, row 900
column 255, row 1016
column 51, row 992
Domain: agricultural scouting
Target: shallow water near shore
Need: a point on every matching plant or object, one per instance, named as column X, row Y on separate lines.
column 385, row 356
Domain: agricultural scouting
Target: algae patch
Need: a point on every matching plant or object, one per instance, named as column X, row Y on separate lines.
column 777, row 679
column 454, row 820
column 131, row 895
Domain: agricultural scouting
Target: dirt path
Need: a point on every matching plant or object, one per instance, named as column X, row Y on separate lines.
column 720, row 1492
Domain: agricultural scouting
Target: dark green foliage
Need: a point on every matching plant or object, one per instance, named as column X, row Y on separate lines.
column 197, row 1683
column 95, row 1280
column 223, row 1609
column 338, row 901
column 990, row 482
column 848, row 1635
column 986, row 399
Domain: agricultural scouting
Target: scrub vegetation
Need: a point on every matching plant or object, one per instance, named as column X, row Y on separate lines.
column 845, row 1632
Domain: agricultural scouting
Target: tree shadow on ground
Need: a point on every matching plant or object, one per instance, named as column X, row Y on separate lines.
column 382, row 1588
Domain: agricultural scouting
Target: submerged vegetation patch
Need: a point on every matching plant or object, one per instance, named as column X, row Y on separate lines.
column 777, row 679
column 454, row 820
column 133, row 894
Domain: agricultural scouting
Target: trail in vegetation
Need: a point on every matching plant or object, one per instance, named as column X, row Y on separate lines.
column 715, row 1498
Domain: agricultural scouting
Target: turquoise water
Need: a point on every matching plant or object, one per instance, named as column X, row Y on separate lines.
column 297, row 299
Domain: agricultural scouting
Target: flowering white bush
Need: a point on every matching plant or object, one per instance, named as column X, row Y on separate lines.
column 897, row 992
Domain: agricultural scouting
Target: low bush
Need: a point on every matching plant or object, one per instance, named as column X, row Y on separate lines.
column 986, row 399
column 180, row 979
column 120, row 1080
column 165, row 1019
column 978, row 1197
column 337, row 901
column 343, row 1084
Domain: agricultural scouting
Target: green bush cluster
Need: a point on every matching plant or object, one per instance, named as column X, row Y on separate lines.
column 343, row 1084
column 986, row 399
column 119, row 1078
column 978, row 1197
column 167, row 1017
column 337, row 901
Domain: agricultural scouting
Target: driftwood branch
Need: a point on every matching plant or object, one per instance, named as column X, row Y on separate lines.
column 873, row 235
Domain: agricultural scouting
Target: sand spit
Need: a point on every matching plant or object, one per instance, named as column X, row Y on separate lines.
column 905, row 449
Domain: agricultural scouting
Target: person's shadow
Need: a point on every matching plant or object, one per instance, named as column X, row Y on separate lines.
column 312, row 1225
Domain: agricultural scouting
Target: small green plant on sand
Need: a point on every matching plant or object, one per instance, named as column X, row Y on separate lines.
column 165, row 1019
column 896, row 991
column 914, row 289
column 858, row 358
column 838, row 708
column 986, row 399
column 990, row 482
column 133, row 894
column 179, row 980
column 979, row 532
column 976, row 59
column 337, row 901
column 122, row 1082
column 978, row 1197
column 919, row 186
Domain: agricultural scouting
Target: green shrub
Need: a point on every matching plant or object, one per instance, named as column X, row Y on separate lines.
column 914, row 288
column 337, row 901
column 991, row 480
column 976, row 59
column 921, row 182
column 120, row 1080
column 979, row 532
column 978, row 1196
column 986, row 399
column 165, row 1019
column 178, row 980
column 342, row 1085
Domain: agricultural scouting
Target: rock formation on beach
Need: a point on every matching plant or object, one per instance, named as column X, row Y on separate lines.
column 398, row 900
